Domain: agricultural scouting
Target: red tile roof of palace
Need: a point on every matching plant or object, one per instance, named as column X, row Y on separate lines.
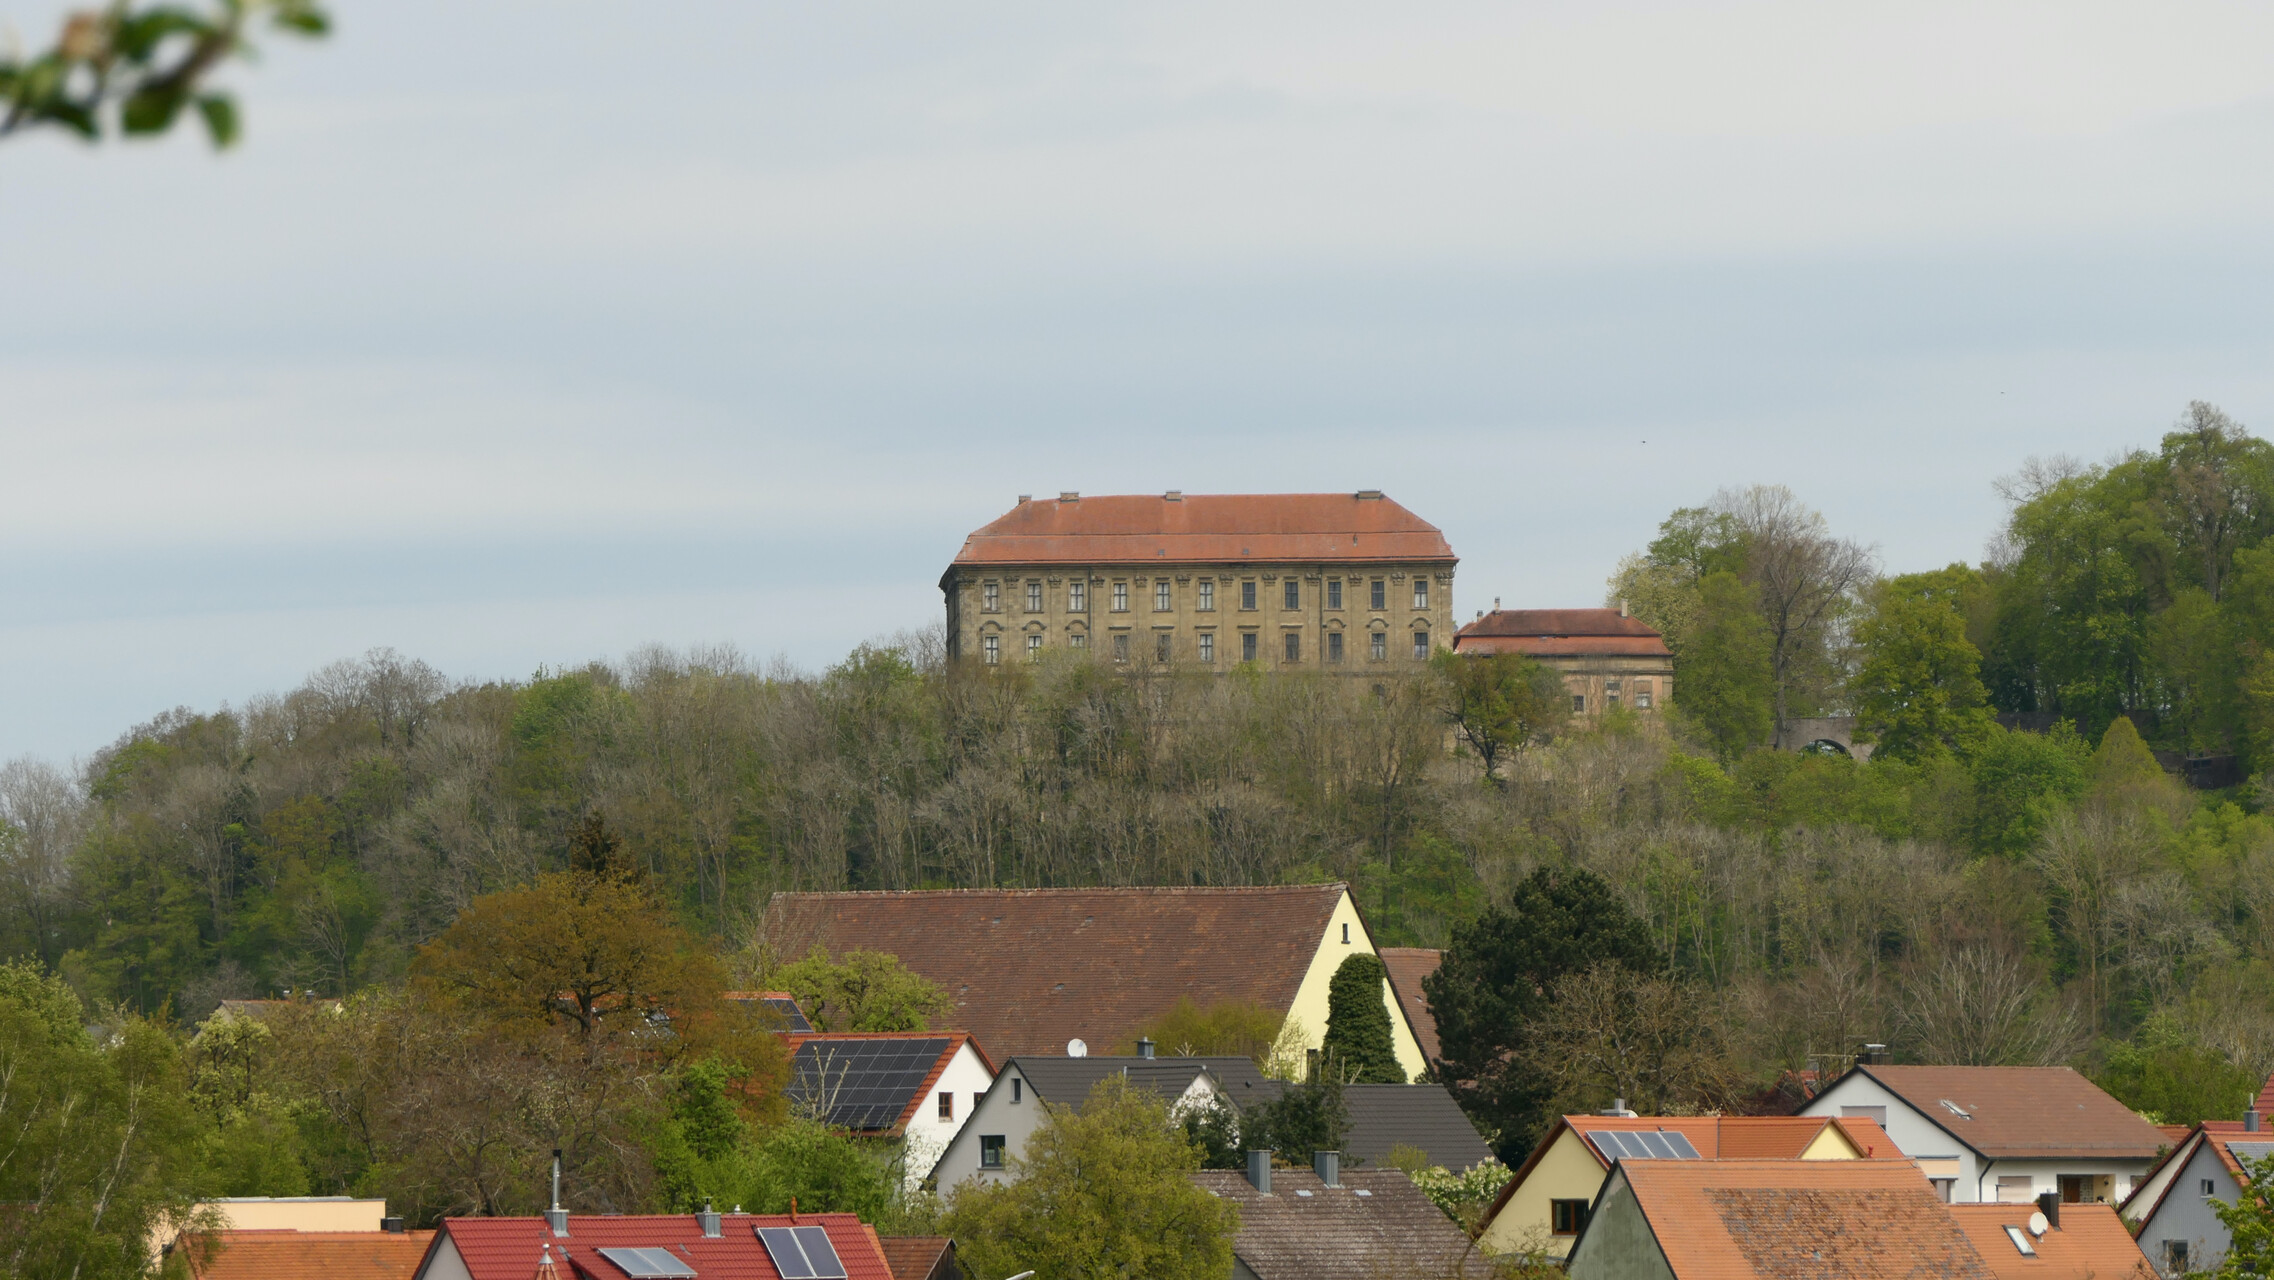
column 1211, row 528
column 1560, row 633
column 509, row 1248
column 922, row 1092
column 2028, row 1113
column 1798, row 1220
column 292, row 1255
column 1408, row 966
column 2091, row 1243
column 1030, row 969
column 916, row 1257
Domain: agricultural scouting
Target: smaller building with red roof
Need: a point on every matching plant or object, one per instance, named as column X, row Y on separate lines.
column 1607, row 659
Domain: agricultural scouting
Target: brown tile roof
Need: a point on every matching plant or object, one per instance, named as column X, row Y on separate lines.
column 1205, row 528
column 920, row 1257
column 2022, row 1113
column 1796, row 1220
column 2091, row 1243
column 1408, row 966
column 1560, row 633
column 1030, row 969
column 296, row 1255
column 1377, row 1223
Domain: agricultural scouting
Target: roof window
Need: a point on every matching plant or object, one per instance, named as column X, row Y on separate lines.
column 2021, row 1242
column 1956, row 1110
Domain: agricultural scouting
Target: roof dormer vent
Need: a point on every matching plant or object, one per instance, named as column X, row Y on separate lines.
column 1025, row 498
column 1173, row 495
column 1069, row 495
column 1370, row 494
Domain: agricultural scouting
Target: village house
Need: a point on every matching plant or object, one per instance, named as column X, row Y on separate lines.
column 915, row 1086
column 1031, row 970
column 684, row 1246
column 1545, row 1204
column 2004, row 1134
column 1331, row 1223
column 267, row 1237
column 988, row 1146
column 2175, row 1209
column 1350, row 584
column 1607, row 659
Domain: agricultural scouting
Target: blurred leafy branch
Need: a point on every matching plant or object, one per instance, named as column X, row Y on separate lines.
column 143, row 64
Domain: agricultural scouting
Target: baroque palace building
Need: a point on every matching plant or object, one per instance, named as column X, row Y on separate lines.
column 1349, row 583
column 1607, row 659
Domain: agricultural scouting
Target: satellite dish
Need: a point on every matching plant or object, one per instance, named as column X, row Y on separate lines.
column 1076, row 1049
column 2038, row 1224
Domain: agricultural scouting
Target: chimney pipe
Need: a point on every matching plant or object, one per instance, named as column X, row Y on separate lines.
column 2049, row 1204
column 1259, row 1169
column 2250, row 1120
column 557, row 1217
column 1328, row 1165
column 1311, row 1066
column 1618, row 1107
column 1145, row 1046
column 1875, row 1055
column 392, row 1225
column 708, row 1220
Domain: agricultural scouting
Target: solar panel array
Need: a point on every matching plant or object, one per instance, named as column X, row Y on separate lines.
column 802, row 1253
column 862, row 1084
column 2251, row 1151
column 791, row 1015
column 649, row 1264
column 1643, row 1144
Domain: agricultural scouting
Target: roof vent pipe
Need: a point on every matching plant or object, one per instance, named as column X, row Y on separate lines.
column 1145, row 1046
column 1310, row 1066
column 1622, row 608
column 708, row 1220
column 2049, row 1204
column 1618, row 1107
column 1259, row 1169
column 1069, row 495
column 2250, row 1120
column 557, row 1217
column 1328, row 1165
column 394, row 1225
column 1876, row 1055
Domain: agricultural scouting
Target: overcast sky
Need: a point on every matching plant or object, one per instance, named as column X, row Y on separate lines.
column 529, row 333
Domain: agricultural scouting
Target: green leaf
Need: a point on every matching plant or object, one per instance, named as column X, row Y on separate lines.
column 308, row 20
column 151, row 110
column 72, row 116
column 220, row 114
column 138, row 36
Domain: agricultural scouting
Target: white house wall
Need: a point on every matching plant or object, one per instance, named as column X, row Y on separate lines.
column 2187, row 1215
column 1941, row 1154
column 967, row 1080
column 1016, row 1122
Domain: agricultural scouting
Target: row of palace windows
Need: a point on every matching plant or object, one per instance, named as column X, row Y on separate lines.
column 1164, row 598
column 1204, row 646
column 1611, row 692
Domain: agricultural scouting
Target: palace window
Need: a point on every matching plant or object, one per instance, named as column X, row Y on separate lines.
column 1207, row 646
column 1078, row 640
column 991, row 647
column 1611, row 695
column 1163, row 643
column 1420, row 646
column 1294, row 641
column 1579, row 704
column 991, row 597
column 1379, row 646
column 1334, row 593
column 1121, row 597
column 1334, row 646
column 1121, row 648
column 1247, row 594
column 1078, row 598
column 1642, row 695
column 1034, row 596
column 1294, row 593
column 1247, row 646
column 1034, row 646
column 1381, row 595
column 1207, row 597
column 1160, row 595
column 1421, row 593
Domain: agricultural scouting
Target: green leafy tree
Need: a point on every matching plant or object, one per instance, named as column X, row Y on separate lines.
column 1313, row 1115
column 1490, row 995
column 1726, row 687
column 143, row 64
column 1224, row 1029
column 1102, row 1194
column 2020, row 781
column 2249, row 1220
column 1359, row 1039
column 1213, row 1128
column 1919, row 688
column 1498, row 702
column 2163, row 1074
column 865, row 991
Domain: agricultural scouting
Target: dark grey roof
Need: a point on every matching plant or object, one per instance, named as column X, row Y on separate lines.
column 1383, row 1116
column 1375, row 1224
column 1069, row 1080
column 858, row 1083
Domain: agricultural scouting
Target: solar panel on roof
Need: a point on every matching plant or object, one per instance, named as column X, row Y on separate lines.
column 649, row 1264
column 1644, row 1144
column 862, row 1084
column 2253, row 1151
column 802, row 1253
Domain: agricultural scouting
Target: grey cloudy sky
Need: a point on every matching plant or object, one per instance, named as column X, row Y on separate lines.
column 525, row 332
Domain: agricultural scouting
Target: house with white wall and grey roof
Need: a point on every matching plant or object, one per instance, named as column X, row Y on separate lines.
column 2176, row 1211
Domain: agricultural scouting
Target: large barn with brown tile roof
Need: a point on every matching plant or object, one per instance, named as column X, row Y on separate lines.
column 1349, row 583
column 1607, row 659
column 1031, row 969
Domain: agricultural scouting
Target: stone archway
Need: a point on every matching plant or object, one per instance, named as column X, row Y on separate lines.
column 1817, row 733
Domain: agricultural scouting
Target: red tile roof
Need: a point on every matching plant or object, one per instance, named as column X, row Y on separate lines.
column 1795, row 1220
column 1408, row 966
column 510, row 1248
column 920, row 1257
column 1030, row 969
column 2022, row 1113
column 1205, row 528
column 1560, row 633
column 297, row 1255
column 2091, row 1243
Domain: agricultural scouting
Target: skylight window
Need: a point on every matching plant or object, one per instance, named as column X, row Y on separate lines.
column 2020, row 1240
column 1956, row 1110
column 649, row 1264
column 802, row 1253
